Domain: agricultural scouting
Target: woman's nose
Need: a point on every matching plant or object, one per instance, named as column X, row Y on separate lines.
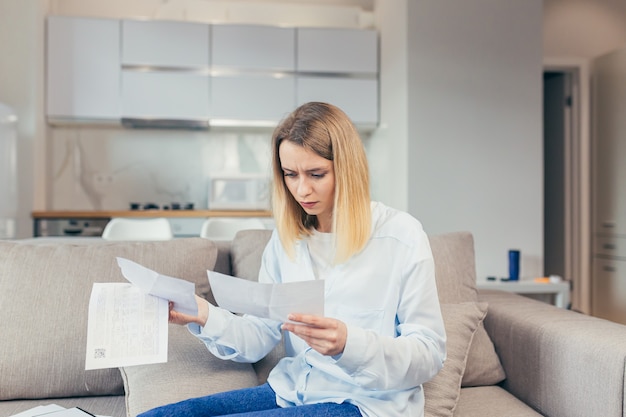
column 304, row 188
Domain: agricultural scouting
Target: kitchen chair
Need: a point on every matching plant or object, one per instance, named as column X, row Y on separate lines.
column 120, row 228
column 226, row 228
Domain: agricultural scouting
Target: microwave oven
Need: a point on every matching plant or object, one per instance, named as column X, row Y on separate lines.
column 239, row 192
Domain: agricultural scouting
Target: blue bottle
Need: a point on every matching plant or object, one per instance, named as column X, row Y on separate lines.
column 514, row 264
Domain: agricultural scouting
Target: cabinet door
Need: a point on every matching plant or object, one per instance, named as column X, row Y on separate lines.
column 609, row 182
column 337, row 50
column 165, row 95
column 253, row 47
column 83, row 68
column 165, row 44
column 357, row 97
column 255, row 99
column 608, row 297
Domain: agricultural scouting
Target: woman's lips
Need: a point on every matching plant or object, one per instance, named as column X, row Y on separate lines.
column 307, row 205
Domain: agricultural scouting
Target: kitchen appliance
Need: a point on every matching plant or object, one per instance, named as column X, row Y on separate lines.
column 153, row 206
column 239, row 192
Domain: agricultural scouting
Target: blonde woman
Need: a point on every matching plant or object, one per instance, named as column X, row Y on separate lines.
column 382, row 336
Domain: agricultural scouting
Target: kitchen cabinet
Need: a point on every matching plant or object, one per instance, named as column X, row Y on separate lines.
column 253, row 79
column 357, row 97
column 165, row 44
column 162, row 73
column 339, row 66
column 165, row 70
column 252, row 48
column 254, row 100
column 165, row 95
column 83, row 68
column 609, row 186
column 338, row 51
column 608, row 292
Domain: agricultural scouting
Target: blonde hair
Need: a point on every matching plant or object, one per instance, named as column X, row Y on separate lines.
column 328, row 132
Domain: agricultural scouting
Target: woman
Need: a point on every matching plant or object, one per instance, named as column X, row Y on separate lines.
column 382, row 336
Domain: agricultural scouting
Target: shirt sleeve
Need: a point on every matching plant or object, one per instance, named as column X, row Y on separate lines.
column 239, row 338
column 417, row 352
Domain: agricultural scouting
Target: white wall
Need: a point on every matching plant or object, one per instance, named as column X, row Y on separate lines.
column 475, row 126
column 21, row 87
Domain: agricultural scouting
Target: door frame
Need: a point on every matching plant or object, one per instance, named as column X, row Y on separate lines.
column 577, row 181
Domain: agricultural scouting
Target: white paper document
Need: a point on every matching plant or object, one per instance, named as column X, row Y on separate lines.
column 272, row 301
column 40, row 409
column 51, row 410
column 181, row 292
column 126, row 327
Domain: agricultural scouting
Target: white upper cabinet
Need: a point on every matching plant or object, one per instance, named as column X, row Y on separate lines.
column 253, row 47
column 83, row 68
column 337, row 50
column 165, row 44
column 165, row 95
column 254, row 100
column 358, row 98
column 253, row 74
column 339, row 66
column 165, row 70
column 228, row 74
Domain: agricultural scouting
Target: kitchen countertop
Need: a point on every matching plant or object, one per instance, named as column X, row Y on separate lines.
column 107, row 214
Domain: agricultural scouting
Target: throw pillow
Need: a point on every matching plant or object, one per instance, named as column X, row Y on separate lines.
column 191, row 371
column 442, row 392
column 483, row 364
column 45, row 296
column 455, row 272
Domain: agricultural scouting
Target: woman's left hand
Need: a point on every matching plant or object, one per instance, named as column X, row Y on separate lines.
column 325, row 335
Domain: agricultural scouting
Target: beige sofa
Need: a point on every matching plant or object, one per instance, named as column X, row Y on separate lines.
column 507, row 355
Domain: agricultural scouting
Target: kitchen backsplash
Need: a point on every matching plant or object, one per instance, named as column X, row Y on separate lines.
column 102, row 168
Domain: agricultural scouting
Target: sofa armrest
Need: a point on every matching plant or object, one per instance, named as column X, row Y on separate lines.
column 559, row 362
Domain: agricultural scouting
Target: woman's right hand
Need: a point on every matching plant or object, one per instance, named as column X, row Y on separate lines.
column 184, row 319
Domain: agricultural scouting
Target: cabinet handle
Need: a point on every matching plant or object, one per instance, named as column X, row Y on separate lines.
column 608, row 224
column 608, row 268
column 609, row 246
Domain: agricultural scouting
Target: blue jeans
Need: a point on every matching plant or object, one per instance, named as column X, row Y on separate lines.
column 249, row 402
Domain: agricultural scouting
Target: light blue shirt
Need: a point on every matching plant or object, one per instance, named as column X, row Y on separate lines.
column 386, row 295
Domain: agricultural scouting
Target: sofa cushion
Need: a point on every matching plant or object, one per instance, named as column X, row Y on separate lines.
column 442, row 392
column 246, row 253
column 191, row 371
column 455, row 271
column 483, row 364
column 491, row 401
column 45, row 296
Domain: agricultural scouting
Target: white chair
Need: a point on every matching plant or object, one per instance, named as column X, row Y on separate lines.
column 219, row 228
column 120, row 228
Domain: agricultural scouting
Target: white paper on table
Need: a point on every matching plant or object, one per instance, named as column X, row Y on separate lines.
column 272, row 301
column 125, row 327
column 40, row 409
column 181, row 292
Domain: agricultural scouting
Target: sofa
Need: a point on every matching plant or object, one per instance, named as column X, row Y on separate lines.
column 508, row 355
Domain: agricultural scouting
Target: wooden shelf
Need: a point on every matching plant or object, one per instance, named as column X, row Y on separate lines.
column 107, row 214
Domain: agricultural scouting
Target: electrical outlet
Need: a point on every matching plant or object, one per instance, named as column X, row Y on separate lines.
column 102, row 182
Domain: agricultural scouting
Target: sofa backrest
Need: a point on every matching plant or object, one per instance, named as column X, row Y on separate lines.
column 455, row 268
column 44, row 293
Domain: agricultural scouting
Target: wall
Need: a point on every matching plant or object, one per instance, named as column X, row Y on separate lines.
column 21, row 87
column 475, row 126
column 583, row 28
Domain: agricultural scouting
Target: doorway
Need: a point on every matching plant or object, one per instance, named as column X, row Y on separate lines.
column 567, row 179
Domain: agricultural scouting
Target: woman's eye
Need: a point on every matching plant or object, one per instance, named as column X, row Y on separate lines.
column 318, row 176
column 289, row 174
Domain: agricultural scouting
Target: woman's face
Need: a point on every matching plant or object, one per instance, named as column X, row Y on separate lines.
column 310, row 179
